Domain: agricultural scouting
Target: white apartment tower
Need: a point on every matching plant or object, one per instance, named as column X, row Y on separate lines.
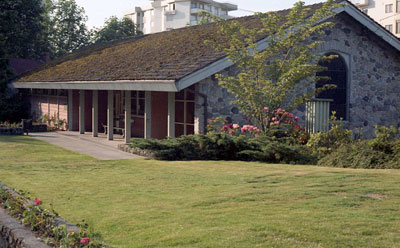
column 165, row 15
column 384, row 12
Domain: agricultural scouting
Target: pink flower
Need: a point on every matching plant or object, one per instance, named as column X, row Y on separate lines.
column 277, row 122
column 231, row 132
column 266, row 108
column 85, row 241
column 296, row 118
column 243, row 130
column 224, row 128
column 230, row 126
column 236, row 126
column 37, row 201
column 256, row 135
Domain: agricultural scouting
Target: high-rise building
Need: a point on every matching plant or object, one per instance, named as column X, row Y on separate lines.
column 385, row 12
column 163, row 15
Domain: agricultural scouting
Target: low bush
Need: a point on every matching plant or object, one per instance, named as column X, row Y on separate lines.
column 382, row 152
column 220, row 146
column 324, row 143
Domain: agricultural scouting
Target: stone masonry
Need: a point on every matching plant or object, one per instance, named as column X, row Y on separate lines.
column 373, row 85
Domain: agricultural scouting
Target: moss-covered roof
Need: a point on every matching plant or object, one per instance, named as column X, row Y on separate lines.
column 167, row 55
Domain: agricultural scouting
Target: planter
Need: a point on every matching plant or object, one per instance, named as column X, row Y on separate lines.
column 38, row 128
column 137, row 151
column 11, row 131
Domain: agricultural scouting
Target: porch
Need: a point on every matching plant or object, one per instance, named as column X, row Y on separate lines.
column 128, row 113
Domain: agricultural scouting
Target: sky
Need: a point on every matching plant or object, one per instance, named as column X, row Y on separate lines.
column 98, row 10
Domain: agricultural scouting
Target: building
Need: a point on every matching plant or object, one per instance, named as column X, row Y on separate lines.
column 164, row 15
column 163, row 84
column 385, row 12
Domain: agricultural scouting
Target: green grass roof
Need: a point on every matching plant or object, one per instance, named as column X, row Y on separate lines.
column 167, row 55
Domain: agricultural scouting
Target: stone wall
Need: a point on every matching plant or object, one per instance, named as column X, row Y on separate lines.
column 373, row 79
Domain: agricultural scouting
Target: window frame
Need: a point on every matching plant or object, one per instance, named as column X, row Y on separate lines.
column 185, row 102
column 389, row 28
column 398, row 6
column 388, row 8
column 136, row 97
column 398, row 27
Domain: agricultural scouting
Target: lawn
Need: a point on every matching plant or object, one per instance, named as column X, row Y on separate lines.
column 146, row 203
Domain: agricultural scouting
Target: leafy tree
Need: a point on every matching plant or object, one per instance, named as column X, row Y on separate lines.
column 115, row 29
column 22, row 30
column 280, row 75
column 22, row 35
column 67, row 29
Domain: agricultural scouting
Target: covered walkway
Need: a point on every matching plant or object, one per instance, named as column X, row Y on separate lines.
column 99, row 148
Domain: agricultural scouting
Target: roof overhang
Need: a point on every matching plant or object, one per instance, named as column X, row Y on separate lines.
column 142, row 85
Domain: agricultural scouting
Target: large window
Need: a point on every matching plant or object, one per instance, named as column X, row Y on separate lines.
column 388, row 8
column 184, row 112
column 336, row 74
column 389, row 28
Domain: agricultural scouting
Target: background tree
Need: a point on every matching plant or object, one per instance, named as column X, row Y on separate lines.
column 115, row 29
column 67, row 29
column 22, row 30
column 279, row 76
column 22, row 35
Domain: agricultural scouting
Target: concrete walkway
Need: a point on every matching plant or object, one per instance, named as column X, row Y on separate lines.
column 99, row 148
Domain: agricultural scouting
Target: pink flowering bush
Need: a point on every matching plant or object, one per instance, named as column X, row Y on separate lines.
column 278, row 123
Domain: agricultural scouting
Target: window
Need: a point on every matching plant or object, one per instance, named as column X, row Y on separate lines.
column 137, row 103
column 171, row 6
column 398, row 6
column 336, row 74
column 193, row 18
column 184, row 112
column 388, row 8
column 201, row 5
column 208, row 7
column 397, row 27
column 389, row 28
column 193, row 5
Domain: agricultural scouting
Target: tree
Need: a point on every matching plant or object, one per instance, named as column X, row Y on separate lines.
column 22, row 31
column 115, row 29
column 22, row 35
column 67, row 29
column 279, row 76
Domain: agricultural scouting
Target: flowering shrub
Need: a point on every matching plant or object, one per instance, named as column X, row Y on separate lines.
column 281, row 124
column 8, row 124
column 41, row 220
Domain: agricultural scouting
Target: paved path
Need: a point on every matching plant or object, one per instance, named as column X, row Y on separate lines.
column 99, row 148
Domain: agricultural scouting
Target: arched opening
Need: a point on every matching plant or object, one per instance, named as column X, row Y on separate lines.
column 337, row 73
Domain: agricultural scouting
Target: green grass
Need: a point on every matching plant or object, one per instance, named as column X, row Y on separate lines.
column 145, row 203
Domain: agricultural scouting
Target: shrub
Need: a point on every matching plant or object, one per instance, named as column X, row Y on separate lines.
column 222, row 146
column 382, row 152
column 326, row 142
